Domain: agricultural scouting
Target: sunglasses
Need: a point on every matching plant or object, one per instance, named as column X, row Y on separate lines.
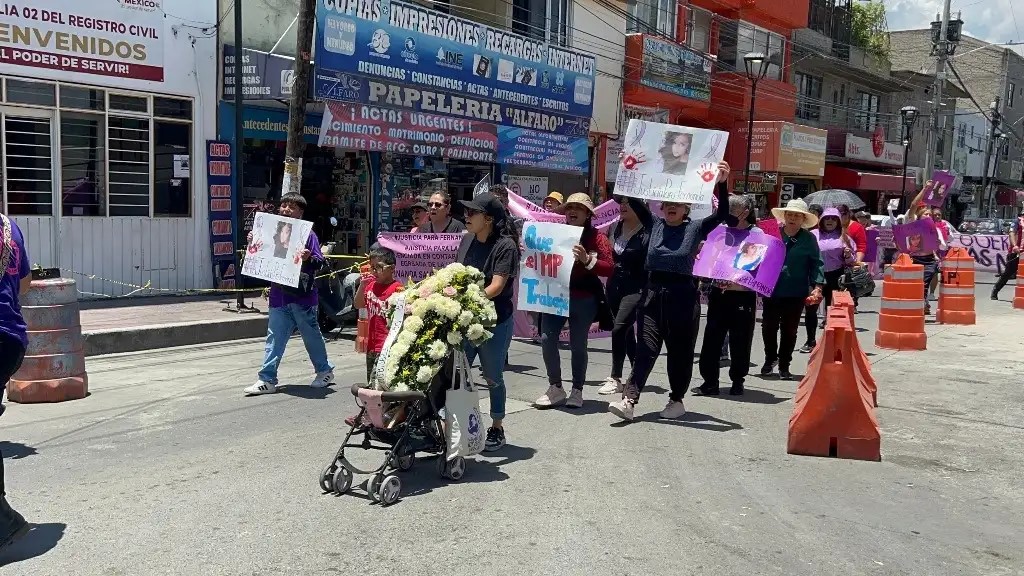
column 437, row 204
column 381, row 267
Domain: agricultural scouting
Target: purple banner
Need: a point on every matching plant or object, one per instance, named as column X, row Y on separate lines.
column 872, row 252
column 918, row 237
column 749, row 258
column 938, row 188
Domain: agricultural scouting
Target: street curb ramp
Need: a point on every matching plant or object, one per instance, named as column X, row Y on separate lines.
column 156, row 336
column 833, row 412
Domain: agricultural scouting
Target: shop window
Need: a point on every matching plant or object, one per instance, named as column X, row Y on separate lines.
column 867, row 115
column 737, row 38
column 656, row 17
column 83, row 163
column 82, row 98
column 698, row 28
column 172, row 108
column 28, row 174
column 34, row 93
column 129, row 103
column 808, row 96
column 128, row 139
column 546, row 20
column 172, row 168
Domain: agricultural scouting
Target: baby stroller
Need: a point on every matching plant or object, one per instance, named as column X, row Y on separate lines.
column 401, row 424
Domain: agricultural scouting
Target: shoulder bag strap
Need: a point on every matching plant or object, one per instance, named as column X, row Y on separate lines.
column 6, row 244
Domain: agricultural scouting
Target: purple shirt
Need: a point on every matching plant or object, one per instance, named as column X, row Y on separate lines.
column 279, row 298
column 831, row 246
column 12, row 324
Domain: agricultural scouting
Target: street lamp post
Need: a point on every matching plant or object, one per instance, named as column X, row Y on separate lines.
column 908, row 114
column 756, row 64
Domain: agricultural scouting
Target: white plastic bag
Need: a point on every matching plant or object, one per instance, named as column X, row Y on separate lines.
column 462, row 412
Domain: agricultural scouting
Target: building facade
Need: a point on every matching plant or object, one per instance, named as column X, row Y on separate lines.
column 539, row 91
column 103, row 112
column 993, row 77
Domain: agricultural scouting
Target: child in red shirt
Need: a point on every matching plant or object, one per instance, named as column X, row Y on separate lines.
column 372, row 294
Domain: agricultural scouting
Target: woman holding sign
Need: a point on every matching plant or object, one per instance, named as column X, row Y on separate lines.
column 490, row 246
column 670, row 299
column 915, row 246
column 593, row 257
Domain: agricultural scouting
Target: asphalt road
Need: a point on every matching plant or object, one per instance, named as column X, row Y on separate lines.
column 168, row 469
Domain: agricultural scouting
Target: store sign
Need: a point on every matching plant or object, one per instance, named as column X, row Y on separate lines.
column 629, row 112
column 222, row 237
column 533, row 188
column 392, row 53
column 757, row 186
column 121, row 38
column 265, row 123
column 378, row 129
column 783, row 147
column 875, row 149
column 676, row 69
column 264, row 76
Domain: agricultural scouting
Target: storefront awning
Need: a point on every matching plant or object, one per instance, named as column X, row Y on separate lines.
column 851, row 179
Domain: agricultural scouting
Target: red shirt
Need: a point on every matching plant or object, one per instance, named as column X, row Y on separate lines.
column 377, row 295
column 860, row 238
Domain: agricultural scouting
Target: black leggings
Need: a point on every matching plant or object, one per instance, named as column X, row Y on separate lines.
column 811, row 312
column 1009, row 272
column 624, row 307
column 13, row 352
column 666, row 317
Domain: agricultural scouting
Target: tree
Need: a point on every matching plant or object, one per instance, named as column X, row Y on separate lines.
column 870, row 28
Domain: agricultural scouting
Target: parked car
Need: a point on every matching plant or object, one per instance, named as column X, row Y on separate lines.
column 995, row 226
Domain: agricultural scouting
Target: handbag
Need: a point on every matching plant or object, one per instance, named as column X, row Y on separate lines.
column 858, row 281
column 466, row 435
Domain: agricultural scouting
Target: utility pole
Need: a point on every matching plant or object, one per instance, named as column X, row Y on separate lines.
column 292, row 180
column 937, row 121
column 988, row 154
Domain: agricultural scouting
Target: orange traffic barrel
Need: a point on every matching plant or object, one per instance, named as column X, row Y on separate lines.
column 1018, row 292
column 54, row 365
column 956, row 290
column 901, row 317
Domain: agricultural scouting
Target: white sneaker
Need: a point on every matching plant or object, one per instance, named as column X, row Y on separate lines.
column 261, row 387
column 322, row 380
column 623, row 409
column 575, row 399
column 673, row 410
column 553, row 397
column 611, row 386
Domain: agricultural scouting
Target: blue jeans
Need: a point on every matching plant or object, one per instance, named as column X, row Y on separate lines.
column 582, row 313
column 492, row 361
column 281, row 323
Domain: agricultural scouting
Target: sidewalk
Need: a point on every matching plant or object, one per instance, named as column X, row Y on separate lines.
column 135, row 324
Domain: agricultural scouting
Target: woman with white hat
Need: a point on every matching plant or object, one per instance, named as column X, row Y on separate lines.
column 593, row 257
column 802, row 276
column 669, row 301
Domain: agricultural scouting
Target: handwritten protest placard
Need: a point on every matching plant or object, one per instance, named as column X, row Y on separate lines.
column 749, row 258
column 938, row 188
column 545, row 267
column 418, row 255
column 275, row 252
column 670, row 163
column 917, row 237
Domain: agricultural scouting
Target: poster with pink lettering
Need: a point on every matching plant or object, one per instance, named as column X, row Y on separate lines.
column 545, row 267
column 749, row 258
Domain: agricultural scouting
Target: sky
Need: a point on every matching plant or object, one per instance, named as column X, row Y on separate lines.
column 991, row 20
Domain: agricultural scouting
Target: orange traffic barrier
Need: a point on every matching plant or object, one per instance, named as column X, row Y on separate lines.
column 54, row 365
column 956, row 290
column 1018, row 292
column 901, row 317
column 844, row 301
column 833, row 413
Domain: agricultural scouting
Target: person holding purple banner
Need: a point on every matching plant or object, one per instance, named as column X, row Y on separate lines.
column 801, row 278
column 731, row 317
column 915, row 247
column 837, row 252
column 670, row 300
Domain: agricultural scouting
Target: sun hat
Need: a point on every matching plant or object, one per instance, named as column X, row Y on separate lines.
column 487, row 204
column 583, row 200
column 797, row 206
column 830, row 213
column 556, row 196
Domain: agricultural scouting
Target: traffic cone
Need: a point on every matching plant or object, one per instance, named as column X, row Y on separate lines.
column 1018, row 292
column 956, row 290
column 901, row 318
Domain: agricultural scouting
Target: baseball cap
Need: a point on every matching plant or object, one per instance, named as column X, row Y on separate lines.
column 420, row 206
column 486, row 203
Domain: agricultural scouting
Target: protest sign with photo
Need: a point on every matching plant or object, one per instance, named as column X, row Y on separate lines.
column 670, row 163
column 938, row 188
column 750, row 258
column 275, row 253
column 545, row 267
column 918, row 237
column 418, row 255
